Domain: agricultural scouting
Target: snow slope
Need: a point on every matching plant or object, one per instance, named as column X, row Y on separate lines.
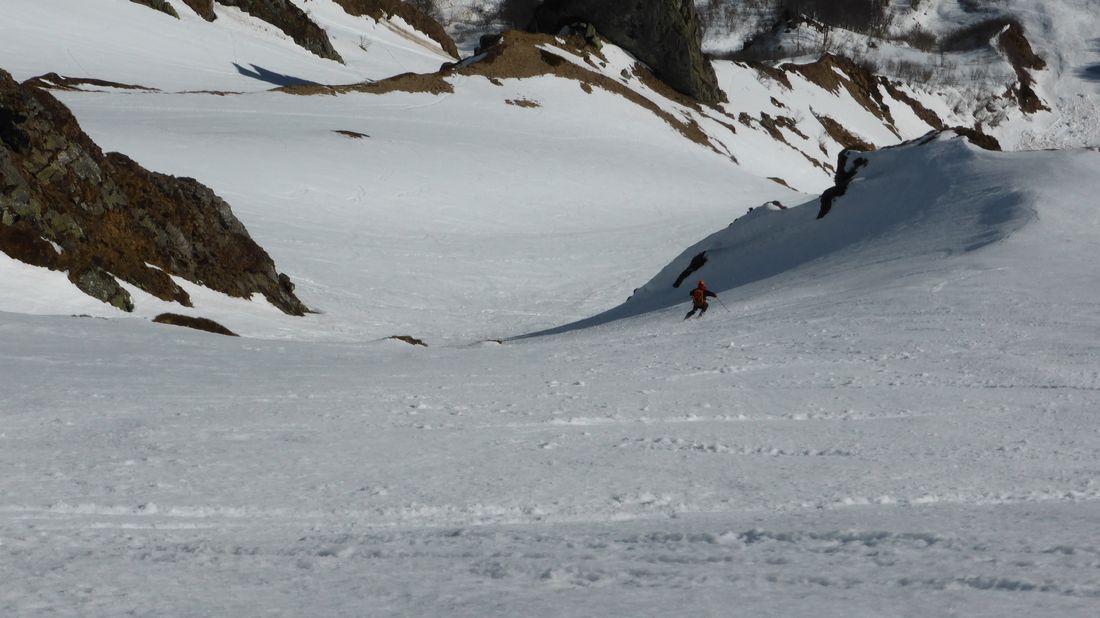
column 236, row 52
column 896, row 415
column 904, row 425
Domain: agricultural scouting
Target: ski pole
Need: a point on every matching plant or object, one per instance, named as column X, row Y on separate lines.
column 722, row 303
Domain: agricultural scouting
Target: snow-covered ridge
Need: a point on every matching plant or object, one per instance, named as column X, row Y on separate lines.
column 920, row 206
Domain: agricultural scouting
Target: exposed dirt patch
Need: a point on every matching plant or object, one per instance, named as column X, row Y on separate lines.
column 293, row 21
column 351, row 134
column 921, row 111
column 109, row 217
column 843, row 136
column 381, row 9
column 202, row 324
column 204, row 8
column 978, row 138
column 779, row 181
column 833, row 72
column 53, row 81
column 520, row 56
column 523, row 103
column 409, row 340
column 429, row 83
column 775, row 74
column 158, row 5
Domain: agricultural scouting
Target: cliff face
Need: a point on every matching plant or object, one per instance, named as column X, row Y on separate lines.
column 205, row 8
column 65, row 205
column 664, row 34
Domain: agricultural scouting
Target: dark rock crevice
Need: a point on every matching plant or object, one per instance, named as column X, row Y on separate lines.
column 697, row 262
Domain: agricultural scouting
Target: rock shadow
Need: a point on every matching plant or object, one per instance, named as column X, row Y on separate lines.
column 271, row 77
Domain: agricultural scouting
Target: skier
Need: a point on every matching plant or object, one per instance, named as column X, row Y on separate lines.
column 699, row 299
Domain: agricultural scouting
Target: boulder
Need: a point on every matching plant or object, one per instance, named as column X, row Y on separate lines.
column 67, row 206
column 664, row 34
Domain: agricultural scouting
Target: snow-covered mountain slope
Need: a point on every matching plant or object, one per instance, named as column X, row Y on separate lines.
column 939, row 204
column 904, row 425
column 893, row 413
column 123, row 42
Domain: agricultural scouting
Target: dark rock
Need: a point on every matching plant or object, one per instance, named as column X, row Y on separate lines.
column 107, row 217
column 98, row 284
column 158, row 5
column 205, row 8
column 203, row 324
column 409, row 340
column 418, row 19
column 293, row 21
column 663, row 34
column 697, row 262
column 843, row 177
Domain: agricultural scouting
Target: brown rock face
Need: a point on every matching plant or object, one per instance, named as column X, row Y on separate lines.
column 381, row 9
column 205, row 8
column 65, row 205
column 665, row 34
column 287, row 17
column 158, row 5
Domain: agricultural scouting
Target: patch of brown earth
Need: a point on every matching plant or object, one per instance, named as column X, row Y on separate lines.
column 779, row 181
column 53, row 81
column 418, row 19
column 1020, row 55
column 428, row 83
column 978, row 138
column 202, row 324
column 843, row 136
column 158, row 5
column 928, row 116
column 523, row 103
column 832, row 72
column 293, row 21
column 520, row 56
column 66, row 205
column 204, row 8
column 409, row 340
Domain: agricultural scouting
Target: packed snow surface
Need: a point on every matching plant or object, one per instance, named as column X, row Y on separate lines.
column 892, row 411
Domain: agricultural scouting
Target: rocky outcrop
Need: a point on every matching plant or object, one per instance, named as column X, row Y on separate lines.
column 665, row 34
column 285, row 16
column 205, row 8
column 418, row 19
column 67, row 206
column 203, row 324
column 1022, row 58
column 158, row 5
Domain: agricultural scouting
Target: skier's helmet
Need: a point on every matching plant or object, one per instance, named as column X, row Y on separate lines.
column 702, row 283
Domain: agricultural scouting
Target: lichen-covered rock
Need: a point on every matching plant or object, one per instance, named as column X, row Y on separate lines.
column 293, row 21
column 665, row 34
column 418, row 19
column 67, row 206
